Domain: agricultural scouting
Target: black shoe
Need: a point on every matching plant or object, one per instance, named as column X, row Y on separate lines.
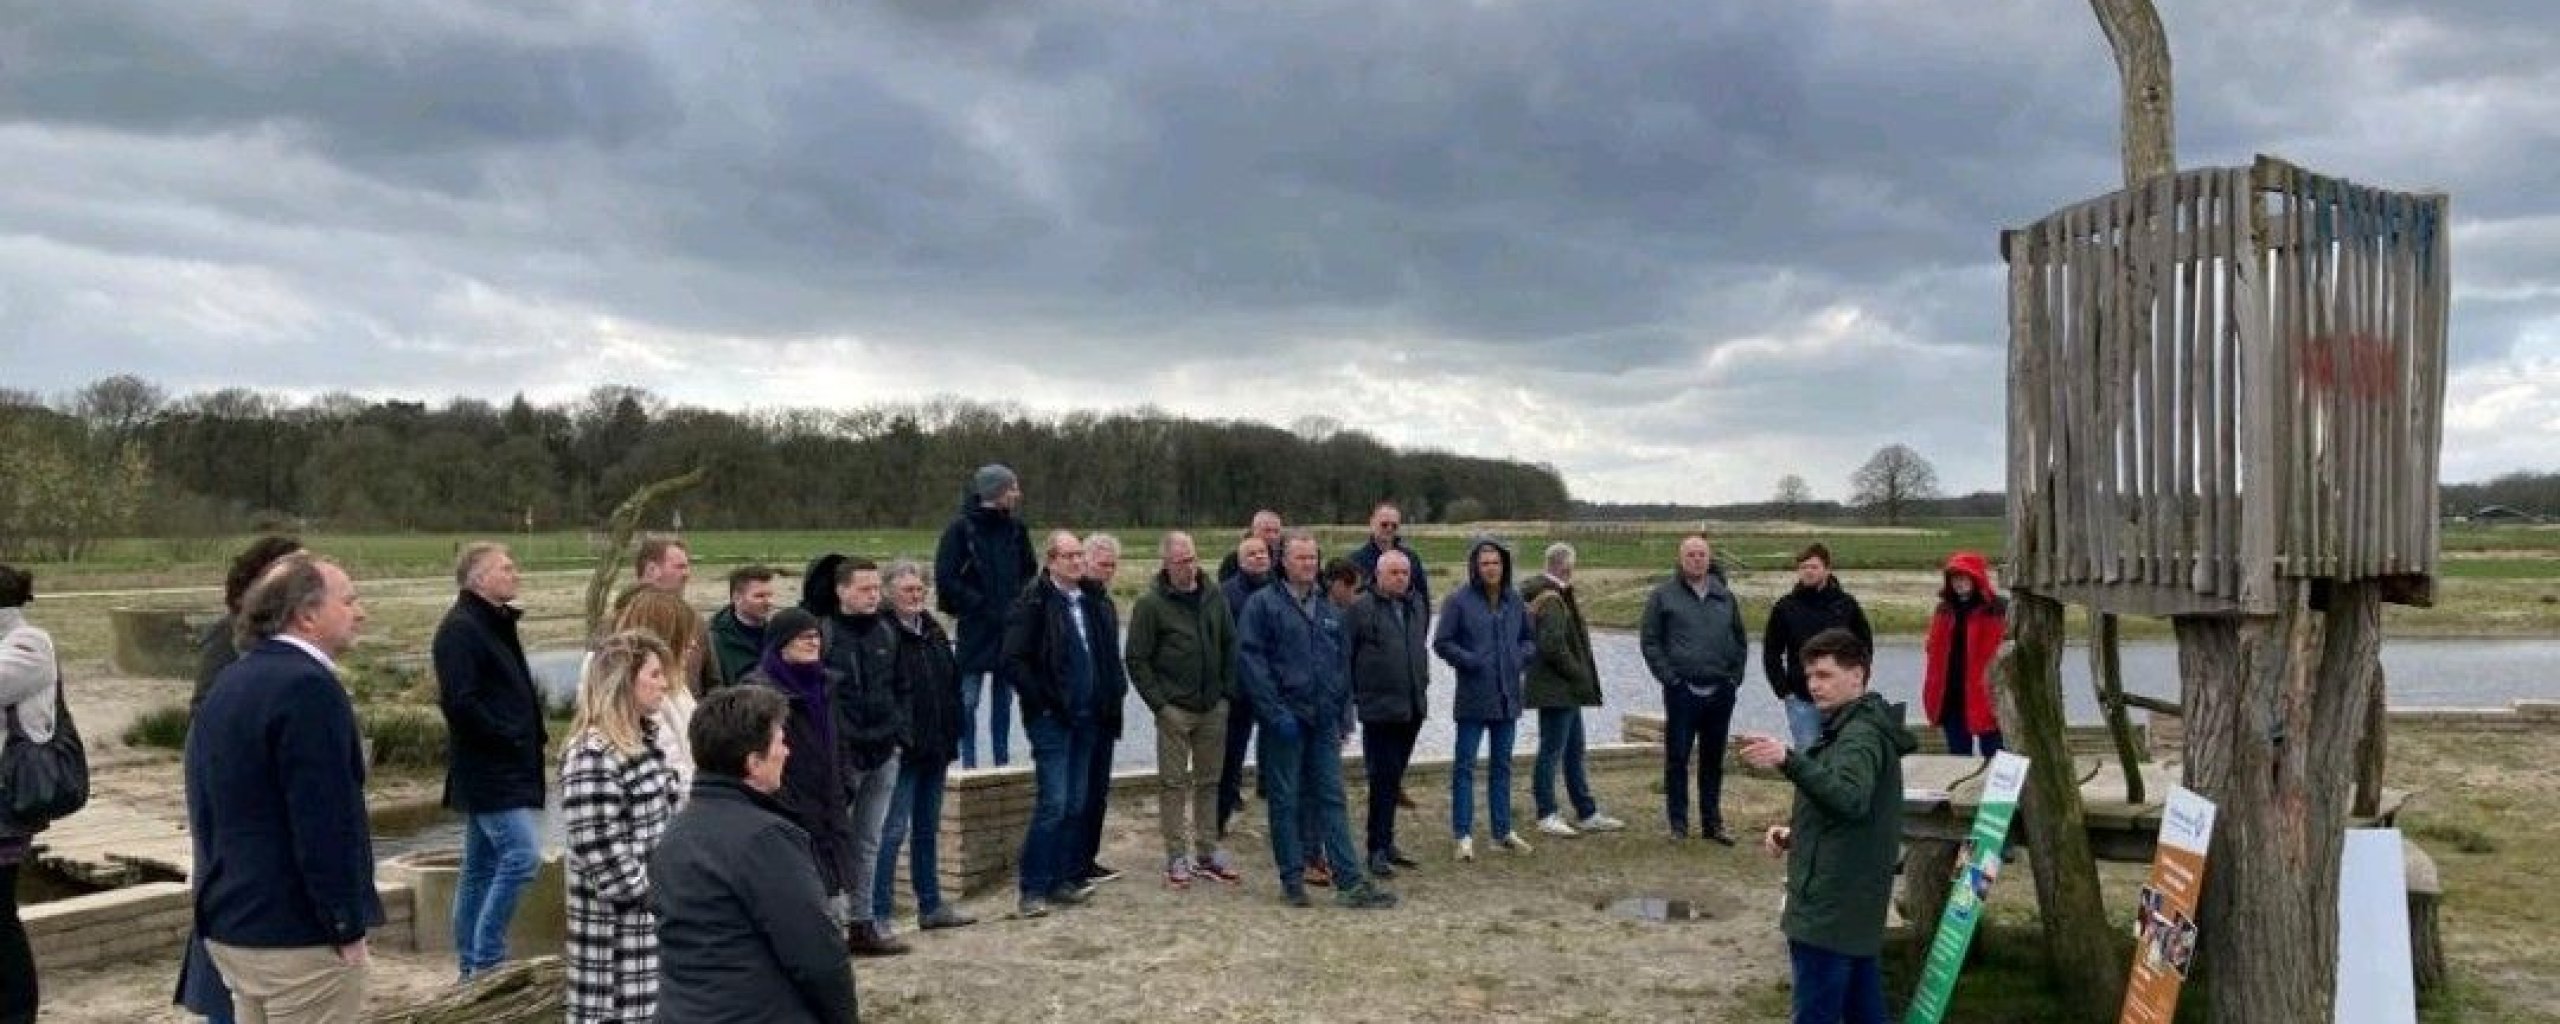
column 1717, row 835
column 1365, row 896
column 1071, row 894
column 1397, row 857
column 1380, row 866
column 1100, row 873
column 1296, row 896
column 1032, row 906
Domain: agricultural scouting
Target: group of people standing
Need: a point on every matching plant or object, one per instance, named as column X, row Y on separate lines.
column 758, row 772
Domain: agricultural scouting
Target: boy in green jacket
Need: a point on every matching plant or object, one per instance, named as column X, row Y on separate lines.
column 1846, row 830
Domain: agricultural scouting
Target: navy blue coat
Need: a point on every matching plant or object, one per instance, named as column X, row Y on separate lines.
column 981, row 565
column 1488, row 642
column 494, row 734
column 275, row 799
column 1295, row 660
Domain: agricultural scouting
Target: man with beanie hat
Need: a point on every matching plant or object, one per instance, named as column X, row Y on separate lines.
column 980, row 566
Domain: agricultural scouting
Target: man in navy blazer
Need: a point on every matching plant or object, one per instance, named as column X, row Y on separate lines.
column 284, row 888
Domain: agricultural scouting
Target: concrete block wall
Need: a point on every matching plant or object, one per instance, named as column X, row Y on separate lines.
column 149, row 923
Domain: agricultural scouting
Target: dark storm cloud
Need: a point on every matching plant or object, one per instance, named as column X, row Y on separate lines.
column 1710, row 237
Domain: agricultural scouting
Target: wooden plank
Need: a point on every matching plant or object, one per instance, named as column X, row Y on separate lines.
column 2023, row 399
column 2113, row 390
column 2159, row 343
column 2142, row 599
column 2258, row 593
column 2183, row 458
column 2051, row 330
column 2079, row 490
column 2206, row 407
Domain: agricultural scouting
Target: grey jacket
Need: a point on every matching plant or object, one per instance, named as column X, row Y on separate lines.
column 1390, row 657
column 743, row 933
column 1695, row 641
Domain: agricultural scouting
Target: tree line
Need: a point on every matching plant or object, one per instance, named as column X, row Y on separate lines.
column 122, row 457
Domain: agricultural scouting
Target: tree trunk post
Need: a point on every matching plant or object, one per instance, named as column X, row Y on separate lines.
column 2373, row 755
column 2274, row 706
column 2085, row 952
column 2106, row 673
column 625, row 522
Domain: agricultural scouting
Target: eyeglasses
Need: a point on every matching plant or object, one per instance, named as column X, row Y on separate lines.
column 1185, row 560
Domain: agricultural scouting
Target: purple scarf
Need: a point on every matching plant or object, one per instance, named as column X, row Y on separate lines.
column 806, row 685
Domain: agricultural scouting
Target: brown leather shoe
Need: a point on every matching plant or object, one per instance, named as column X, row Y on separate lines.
column 864, row 940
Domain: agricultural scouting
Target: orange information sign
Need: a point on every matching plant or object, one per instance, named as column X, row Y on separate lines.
column 2164, row 927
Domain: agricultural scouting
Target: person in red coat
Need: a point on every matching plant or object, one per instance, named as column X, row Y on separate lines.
column 1963, row 635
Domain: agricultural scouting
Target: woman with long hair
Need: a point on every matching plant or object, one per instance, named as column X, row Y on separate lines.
column 617, row 792
column 666, row 616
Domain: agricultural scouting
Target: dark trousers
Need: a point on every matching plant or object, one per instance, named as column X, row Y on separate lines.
column 1962, row 742
column 1691, row 723
column 1231, row 771
column 1386, row 750
column 17, row 959
column 1097, row 805
column 1061, row 760
column 1836, row 988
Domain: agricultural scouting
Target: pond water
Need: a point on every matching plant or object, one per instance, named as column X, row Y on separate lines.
column 2422, row 673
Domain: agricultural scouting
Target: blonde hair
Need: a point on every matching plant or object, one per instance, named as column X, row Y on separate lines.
column 606, row 705
column 668, row 618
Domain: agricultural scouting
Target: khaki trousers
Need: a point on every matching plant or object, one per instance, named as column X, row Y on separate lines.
column 1190, row 749
column 307, row 985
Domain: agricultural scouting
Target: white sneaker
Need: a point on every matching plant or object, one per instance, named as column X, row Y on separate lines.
column 1554, row 825
column 1511, row 841
column 1602, row 823
column 1467, row 848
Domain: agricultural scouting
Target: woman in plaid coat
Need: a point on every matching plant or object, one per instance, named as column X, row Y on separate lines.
column 616, row 792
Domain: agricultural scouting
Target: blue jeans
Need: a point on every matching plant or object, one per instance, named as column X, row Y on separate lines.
column 1560, row 738
column 1804, row 723
column 1061, row 756
column 1962, row 742
column 999, row 718
column 1836, row 988
column 869, row 796
column 1497, row 777
column 915, row 807
column 500, row 852
column 1302, row 791
column 1691, row 722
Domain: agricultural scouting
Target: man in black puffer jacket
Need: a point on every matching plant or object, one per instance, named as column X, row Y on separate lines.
column 1817, row 603
column 980, row 566
column 1062, row 645
column 871, row 714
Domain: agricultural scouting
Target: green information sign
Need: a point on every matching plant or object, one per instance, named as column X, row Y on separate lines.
column 1976, row 868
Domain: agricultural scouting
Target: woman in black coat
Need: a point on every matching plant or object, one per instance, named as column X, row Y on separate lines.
column 813, row 789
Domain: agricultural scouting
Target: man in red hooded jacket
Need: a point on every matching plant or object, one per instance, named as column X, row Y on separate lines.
column 1963, row 635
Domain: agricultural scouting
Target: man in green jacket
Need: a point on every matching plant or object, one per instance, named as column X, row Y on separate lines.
column 737, row 630
column 1845, row 833
column 1181, row 657
column 1562, row 680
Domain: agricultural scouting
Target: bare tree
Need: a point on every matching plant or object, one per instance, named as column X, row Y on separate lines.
column 119, row 407
column 1793, row 494
column 1893, row 478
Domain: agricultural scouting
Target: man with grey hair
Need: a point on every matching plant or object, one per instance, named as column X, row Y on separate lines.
column 1562, row 680
column 1266, row 528
column 1388, row 635
column 1181, row 657
column 494, row 741
column 284, row 888
column 1101, row 565
column 979, row 567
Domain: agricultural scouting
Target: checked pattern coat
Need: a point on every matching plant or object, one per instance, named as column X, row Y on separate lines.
column 615, row 808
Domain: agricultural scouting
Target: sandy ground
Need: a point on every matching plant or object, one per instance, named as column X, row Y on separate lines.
column 1515, row 937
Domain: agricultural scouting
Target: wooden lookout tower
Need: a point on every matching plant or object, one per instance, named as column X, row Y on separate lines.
column 2222, row 381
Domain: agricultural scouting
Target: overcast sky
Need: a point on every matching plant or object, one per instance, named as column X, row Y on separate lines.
column 1674, row 248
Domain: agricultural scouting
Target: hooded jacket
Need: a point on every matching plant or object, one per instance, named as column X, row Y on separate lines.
column 1487, row 641
column 1182, row 646
column 1806, row 611
column 861, row 655
column 1564, row 674
column 1979, row 625
column 983, row 562
column 1390, row 657
column 1692, row 640
column 1848, row 828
